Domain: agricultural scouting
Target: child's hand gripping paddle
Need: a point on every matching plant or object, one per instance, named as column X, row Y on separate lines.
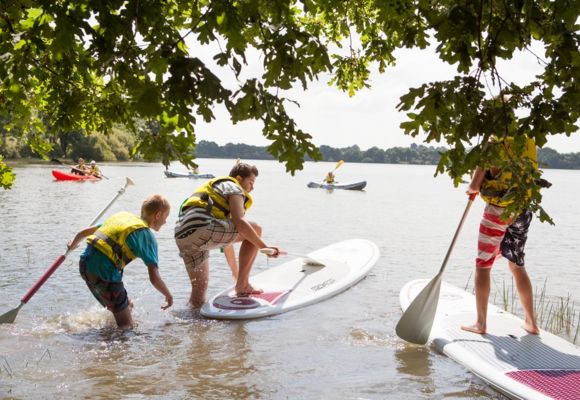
column 269, row 251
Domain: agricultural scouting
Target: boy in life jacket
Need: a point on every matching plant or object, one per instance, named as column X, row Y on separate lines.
column 80, row 168
column 114, row 244
column 498, row 235
column 329, row 178
column 94, row 169
column 214, row 217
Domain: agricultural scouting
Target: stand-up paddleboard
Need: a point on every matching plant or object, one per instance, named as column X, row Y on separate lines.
column 298, row 283
column 520, row 365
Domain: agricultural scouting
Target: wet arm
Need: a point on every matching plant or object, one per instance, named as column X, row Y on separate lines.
column 80, row 236
column 159, row 284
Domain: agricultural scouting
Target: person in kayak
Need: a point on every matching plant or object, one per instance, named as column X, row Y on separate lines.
column 498, row 235
column 214, row 216
column 330, row 178
column 80, row 168
column 114, row 244
column 94, row 169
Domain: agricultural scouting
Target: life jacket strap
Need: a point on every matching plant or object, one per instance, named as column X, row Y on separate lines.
column 123, row 259
column 210, row 203
column 493, row 193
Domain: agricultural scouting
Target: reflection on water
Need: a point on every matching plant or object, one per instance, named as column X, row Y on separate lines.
column 63, row 345
column 218, row 362
column 413, row 361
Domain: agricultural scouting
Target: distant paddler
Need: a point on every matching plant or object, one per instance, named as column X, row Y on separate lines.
column 214, row 217
column 80, row 168
column 94, row 170
column 330, row 177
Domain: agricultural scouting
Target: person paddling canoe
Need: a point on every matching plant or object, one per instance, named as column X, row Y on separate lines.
column 214, row 216
column 330, row 178
column 94, row 169
column 80, row 168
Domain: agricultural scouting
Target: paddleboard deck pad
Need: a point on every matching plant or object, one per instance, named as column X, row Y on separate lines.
column 520, row 365
column 297, row 283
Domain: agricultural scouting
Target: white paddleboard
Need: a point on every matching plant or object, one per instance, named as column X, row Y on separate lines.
column 520, row 365
column 297, row 284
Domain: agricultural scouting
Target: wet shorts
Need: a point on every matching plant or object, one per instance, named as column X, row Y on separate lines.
column 194, row 249
column 496, row 235
column 111, row 295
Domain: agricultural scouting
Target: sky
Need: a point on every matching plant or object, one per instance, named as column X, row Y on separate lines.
column 370, row 118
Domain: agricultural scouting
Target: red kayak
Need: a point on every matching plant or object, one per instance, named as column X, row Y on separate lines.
column 69, row 176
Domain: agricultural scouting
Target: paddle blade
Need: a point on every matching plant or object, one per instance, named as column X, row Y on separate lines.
column 417, row 320
column 10, row 316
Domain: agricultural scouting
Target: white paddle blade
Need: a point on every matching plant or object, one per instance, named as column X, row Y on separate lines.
column 417, row 320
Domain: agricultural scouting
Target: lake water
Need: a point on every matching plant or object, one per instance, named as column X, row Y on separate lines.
column 63, row 345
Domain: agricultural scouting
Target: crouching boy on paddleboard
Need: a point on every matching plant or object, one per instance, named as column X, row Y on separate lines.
column 497, row 234
column 114, row 244
column 214, row 217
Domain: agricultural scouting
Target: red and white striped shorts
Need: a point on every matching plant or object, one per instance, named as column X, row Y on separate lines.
column 496, row 235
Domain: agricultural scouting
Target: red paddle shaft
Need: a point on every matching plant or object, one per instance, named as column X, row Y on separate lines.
column 43, row 278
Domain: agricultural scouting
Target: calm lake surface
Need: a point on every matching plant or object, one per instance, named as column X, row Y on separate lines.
column 63, row 345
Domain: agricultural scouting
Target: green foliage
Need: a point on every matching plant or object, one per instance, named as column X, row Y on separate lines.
column 6, row 175
column 89, row 65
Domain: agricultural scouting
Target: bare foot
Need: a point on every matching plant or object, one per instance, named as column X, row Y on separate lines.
column 247, row 290
column 531, row 328
column 475, row 328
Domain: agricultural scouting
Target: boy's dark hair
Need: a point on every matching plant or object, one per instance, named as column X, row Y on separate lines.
column 154, row 204
column 243, row 170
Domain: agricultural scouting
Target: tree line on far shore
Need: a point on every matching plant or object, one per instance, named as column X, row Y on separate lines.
column 119, row 147
column 414, row 154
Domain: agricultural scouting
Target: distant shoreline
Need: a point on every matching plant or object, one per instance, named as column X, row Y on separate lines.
column 412, row 155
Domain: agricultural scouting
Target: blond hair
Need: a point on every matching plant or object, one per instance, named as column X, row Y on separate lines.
column 154, row 204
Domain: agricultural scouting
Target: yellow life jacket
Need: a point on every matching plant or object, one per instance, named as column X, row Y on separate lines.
column 206, row 197
column 110, row 238
column 495, row 188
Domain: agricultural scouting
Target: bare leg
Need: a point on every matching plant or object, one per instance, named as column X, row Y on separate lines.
column 526, row 294
column 199, row 279
column 247, row 256
column 482, row 289
column 124, row 319
column 230, row 254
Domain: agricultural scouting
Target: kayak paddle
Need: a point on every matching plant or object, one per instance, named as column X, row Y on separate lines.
column 10, row 316
column 417, row 320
